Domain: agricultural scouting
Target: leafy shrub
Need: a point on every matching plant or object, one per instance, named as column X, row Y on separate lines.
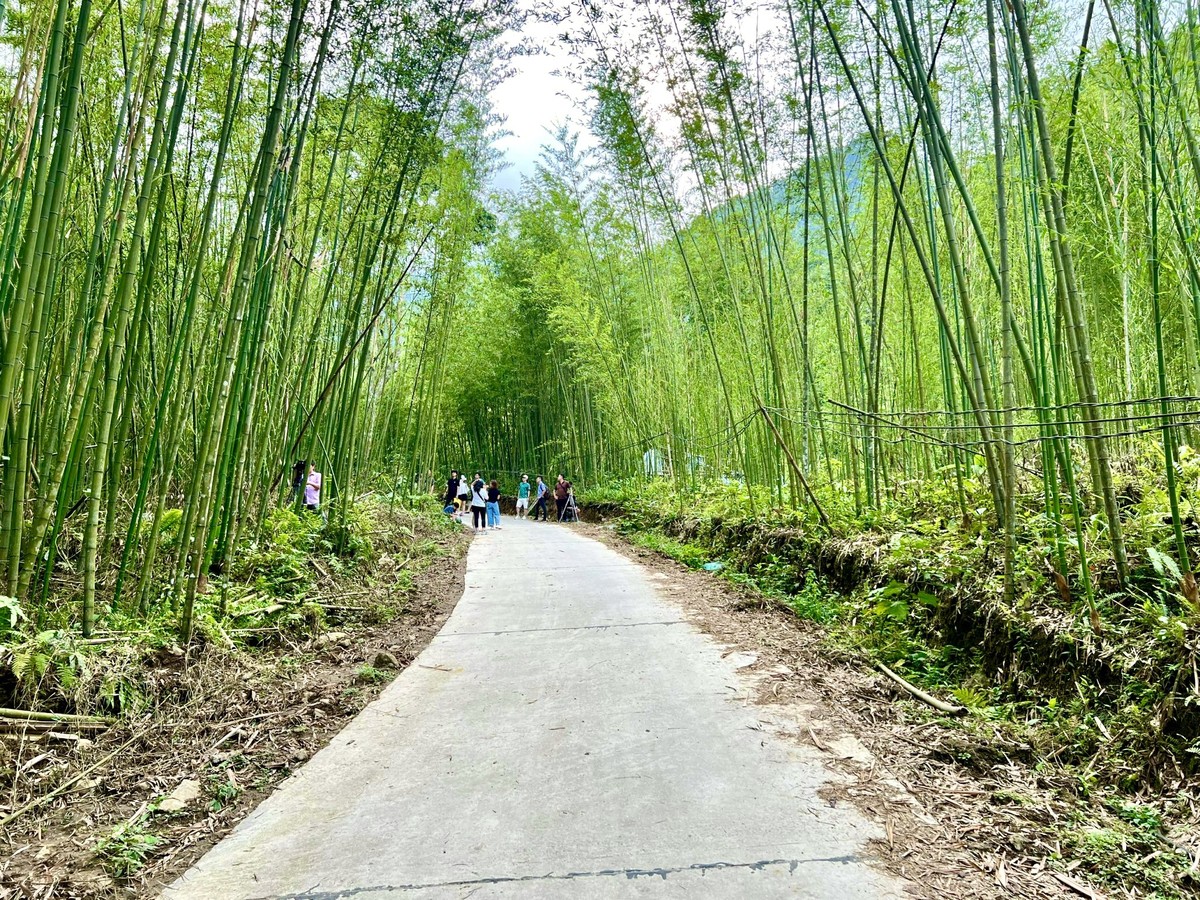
column 283, row 529
column 815, row 601
column 279, row 564
column 224, row 791
column 368, row 674
column 125, row 849
column 348, row 536
column 10, row 613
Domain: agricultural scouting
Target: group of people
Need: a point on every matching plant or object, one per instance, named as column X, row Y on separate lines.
column 483, row 500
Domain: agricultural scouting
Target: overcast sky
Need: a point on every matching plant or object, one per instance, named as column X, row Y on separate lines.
column 534, row 101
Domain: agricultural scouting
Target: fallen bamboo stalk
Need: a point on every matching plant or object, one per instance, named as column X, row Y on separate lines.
column 32, row 716
column 328, row 598
column 22, row 726
column 941, row 706
column 61, row 736
column 266, row 629
column 287, row 604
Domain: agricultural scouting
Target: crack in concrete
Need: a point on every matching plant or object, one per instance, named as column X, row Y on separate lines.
column 453, row 634
column 621, row 565
column 662, row 872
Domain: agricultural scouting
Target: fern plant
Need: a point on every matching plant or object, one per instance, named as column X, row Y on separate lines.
column 49, row 665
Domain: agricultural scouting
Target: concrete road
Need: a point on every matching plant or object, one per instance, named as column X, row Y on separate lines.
column 565, row 735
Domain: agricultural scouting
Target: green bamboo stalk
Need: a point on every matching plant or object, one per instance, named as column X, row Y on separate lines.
column 1077, row 332
column 196, row 539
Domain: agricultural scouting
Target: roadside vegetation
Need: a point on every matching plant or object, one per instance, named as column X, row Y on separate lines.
column 298, row 581
column 1105, row 720
column 164, row 746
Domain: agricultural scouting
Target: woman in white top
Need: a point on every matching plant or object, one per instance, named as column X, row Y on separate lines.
column 464, row 493
column 478, row 504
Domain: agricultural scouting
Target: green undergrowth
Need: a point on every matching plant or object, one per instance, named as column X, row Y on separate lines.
column 298, row 577
column 1109, row 718
column 125, row 849
column 926, row 595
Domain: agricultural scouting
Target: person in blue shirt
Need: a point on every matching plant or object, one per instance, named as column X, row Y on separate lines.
column 523, row 497
column 539, row 508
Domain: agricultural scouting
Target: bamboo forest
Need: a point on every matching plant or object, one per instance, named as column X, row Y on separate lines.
column 883, row 315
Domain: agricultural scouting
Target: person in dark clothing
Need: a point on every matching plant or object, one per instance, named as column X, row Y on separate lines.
column 299, row 472
column 562, row 490
column 540, row 507
column 452, row 487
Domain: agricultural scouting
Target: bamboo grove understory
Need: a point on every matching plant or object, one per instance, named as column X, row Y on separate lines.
column 217, row 221
column 848, row 257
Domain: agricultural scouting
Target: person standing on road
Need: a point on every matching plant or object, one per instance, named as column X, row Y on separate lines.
column 562, row 490
column 523, row 497
column 464, row 494
column 478, row 504
column 540, row 506
column 493, row 504
column 452, row 488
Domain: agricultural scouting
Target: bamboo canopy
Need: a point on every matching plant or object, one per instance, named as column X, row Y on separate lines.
column 833, row 255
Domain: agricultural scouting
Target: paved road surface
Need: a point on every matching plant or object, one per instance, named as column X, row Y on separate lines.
column 566, row 735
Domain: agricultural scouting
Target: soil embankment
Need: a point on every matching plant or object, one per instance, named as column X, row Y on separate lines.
column 1005, row 801
column 122, row 811
column 939, row 609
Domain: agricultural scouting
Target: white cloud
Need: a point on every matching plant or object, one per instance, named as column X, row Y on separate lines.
column 534, row 101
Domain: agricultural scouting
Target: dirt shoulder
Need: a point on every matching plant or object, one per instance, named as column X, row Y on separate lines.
column 140, row 802
column 963, row 819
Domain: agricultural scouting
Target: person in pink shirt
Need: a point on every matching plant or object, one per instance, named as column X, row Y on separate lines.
column 312, row 489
